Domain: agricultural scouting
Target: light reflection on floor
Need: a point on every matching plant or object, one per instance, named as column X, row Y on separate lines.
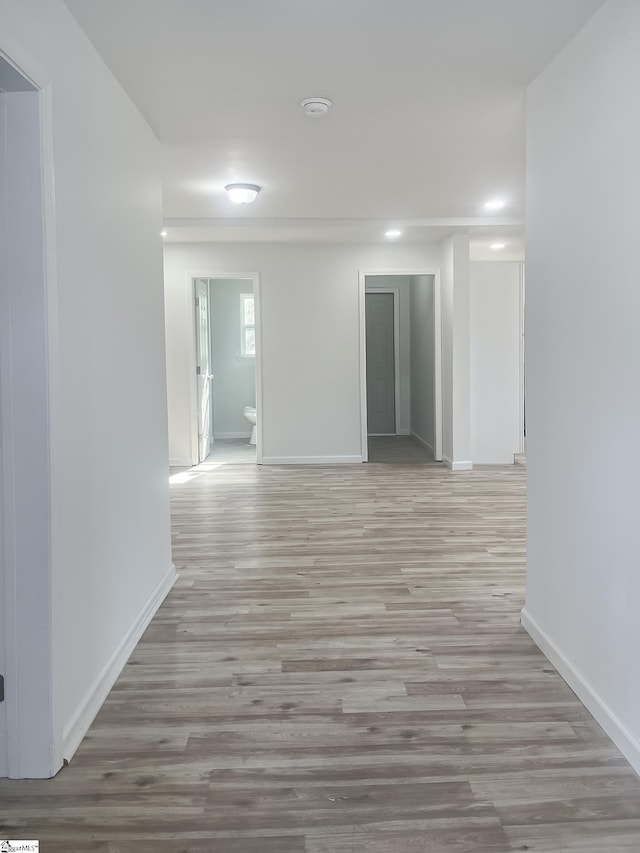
column 228, row 451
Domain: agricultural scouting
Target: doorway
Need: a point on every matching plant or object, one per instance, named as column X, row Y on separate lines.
column 400, row 367
column 383, row 383
column 30, row 742
column 227, row 370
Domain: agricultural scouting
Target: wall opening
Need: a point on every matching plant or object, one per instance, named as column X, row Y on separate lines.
column 28, row 745
column 401, row 367
column 226, row 399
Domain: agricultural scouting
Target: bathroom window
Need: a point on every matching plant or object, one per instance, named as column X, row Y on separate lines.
column 247, row 325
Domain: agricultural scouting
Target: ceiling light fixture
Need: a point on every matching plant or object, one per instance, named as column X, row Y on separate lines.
column 315, row 107
column 242, row 193
column 496, row 246
column 392, row 233
column 494, row 204
column 163, row 233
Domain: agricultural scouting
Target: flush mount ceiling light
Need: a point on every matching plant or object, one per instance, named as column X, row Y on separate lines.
column 315, row 107
column 494, row 204
column 496, row 246
column 242, row 193
column 163, row 233
column 393, row 232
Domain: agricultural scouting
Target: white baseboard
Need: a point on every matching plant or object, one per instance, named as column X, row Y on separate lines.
column 78, row 725
column 180, row 463
column 626, row 741
column 222, row 435
column 404, row 432
column 311, row 460
column 423, row 442
column 461, row 465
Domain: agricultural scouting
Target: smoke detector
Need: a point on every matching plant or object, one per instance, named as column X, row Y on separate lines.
column 316, row 107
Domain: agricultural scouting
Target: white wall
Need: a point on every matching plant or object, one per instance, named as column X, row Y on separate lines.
column 110, row 522
column 422, row 375
column 234, row 376
column 402, row 284
column 583, row 352
column 495, row 362
column 456, row 425
column 310, row 323
column 4, row 756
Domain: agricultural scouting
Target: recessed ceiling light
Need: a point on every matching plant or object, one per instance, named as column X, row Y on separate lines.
column 163, row 233
column 393, row 232
column 496, row 246
column 494, row 204
column 242, row 193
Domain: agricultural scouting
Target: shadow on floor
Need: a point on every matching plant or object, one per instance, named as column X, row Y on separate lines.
column 399, row 450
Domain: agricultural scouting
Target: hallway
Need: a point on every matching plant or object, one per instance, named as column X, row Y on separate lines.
column 340, row 667
column 398, row 450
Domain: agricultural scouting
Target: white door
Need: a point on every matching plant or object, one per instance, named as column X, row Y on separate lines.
column 381, row 389
column 203, row 367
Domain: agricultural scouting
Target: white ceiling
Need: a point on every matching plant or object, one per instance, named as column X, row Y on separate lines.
column 427, row 119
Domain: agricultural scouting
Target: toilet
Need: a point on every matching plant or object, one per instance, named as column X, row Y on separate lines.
column 250, row 414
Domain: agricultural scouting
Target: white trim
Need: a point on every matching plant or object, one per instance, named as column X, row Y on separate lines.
column 78, row 725
column 396, row 351
column 193, row 402
column 205, row 392
column 521, row 388
column 437, row 362
column 222, row 435
column 193, row 361
column 379, row 224
column 362, row 289
column 422, row 441
column 396, row 355
column 404, row 432
column 461, row 465
column 312, row 460
column 257, row 307
column 437, row 313
column 51, row 295
column 625, row 740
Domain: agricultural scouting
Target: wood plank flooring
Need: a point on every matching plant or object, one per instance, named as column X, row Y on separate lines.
column 340, row 669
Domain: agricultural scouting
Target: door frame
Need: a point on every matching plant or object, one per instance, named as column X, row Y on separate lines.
column 254, row 277
column 522, row 389
column 27, row 557
column 437, row 360
column 396, row 348
column 196, row 319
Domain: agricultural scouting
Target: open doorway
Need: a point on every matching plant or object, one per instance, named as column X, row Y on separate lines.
column 227, row 370
column 401, row 367
column 30, row 745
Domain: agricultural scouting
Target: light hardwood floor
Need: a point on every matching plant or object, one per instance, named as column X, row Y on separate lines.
column 340, row 669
